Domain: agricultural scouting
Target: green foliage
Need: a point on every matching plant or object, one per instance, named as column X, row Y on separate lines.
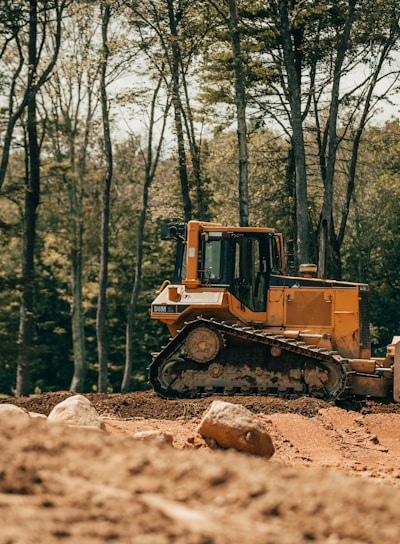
column 372, row 246
column 10, row 283
column 148, row 334
column 52, row 364
column 9, row 314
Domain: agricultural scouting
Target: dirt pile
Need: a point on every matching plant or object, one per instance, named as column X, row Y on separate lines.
column 334, row 476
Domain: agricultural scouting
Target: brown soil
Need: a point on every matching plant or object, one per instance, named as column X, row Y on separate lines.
column 335, row 475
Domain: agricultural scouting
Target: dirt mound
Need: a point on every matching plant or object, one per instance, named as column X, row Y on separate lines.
column 334, row 477
column 147, row 404
column 66, row 485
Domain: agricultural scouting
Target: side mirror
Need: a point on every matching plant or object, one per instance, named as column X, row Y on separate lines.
column 173, row 231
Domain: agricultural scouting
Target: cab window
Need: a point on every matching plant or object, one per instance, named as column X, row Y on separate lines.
column 211, row 266
column 249, row 283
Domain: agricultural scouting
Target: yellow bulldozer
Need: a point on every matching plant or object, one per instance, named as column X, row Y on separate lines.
column 240, row 326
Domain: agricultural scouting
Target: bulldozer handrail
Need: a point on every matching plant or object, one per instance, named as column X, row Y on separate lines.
column 163, row 286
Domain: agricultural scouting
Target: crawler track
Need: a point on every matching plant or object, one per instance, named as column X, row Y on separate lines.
column 248, row 362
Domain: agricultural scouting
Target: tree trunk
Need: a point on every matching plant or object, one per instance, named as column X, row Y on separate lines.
column 77, row 228
column 32, row 195
column 135, row 293
column 25, row 336
column 35, row 80
column 337, row 242
column 326, row 222
column 290, row 191
column 77, row 321
column 178, row 109
column 102, row 346
column 240, row 97
column 195, row 155
column 76, row 256
column 150, row 170
column 294, row 96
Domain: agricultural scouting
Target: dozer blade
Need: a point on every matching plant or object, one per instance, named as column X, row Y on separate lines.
column 396, row 369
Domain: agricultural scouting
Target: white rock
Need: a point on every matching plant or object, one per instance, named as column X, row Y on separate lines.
column 154, row 436
column 13, row 411
column 234, row 426
column 36, row 415
column 76, row 411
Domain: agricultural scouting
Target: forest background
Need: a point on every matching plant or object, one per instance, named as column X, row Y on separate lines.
column 116, row 116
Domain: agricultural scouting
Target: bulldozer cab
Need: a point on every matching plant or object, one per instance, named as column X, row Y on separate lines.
column 239, row 260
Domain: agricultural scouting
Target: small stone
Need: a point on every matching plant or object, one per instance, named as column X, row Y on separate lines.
column 36, row 415
column 154, row 436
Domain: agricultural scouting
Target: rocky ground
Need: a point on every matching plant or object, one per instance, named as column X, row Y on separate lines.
column 334, row 477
